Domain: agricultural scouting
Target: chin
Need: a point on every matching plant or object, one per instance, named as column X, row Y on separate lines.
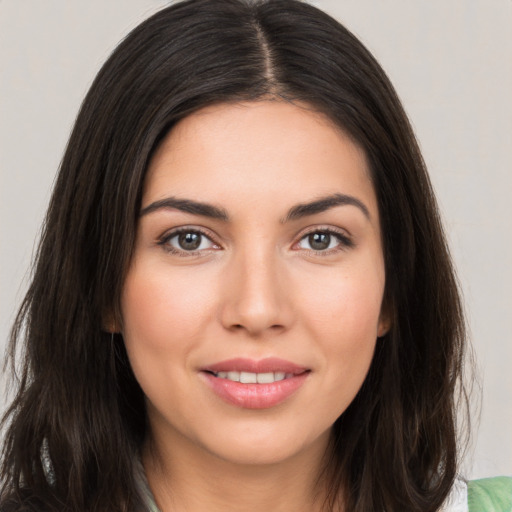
column 265, row 446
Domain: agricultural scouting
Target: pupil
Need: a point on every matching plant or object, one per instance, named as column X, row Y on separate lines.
column 319, row 241
column 189, row 241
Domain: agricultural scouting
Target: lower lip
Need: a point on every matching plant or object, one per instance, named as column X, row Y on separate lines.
column 255, row 396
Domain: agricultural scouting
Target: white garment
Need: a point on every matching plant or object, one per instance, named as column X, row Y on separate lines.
column 457, row 500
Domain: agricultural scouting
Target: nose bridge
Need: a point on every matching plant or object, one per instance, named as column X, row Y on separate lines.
column 254, row 299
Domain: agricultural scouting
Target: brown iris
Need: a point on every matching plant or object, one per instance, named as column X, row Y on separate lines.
column 189, row 241
column 319, row 241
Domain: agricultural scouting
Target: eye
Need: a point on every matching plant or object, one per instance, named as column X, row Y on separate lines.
column 187, row 241
column 324, row 241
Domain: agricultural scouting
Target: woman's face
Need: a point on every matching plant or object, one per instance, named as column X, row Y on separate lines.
column 253, row 302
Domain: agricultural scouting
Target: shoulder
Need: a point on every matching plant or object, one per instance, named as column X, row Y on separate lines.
column 490, row 494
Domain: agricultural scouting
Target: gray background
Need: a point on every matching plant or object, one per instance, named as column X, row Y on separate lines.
column 451, row 62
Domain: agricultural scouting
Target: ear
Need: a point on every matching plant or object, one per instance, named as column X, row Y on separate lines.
column 385, row 322
column 109, row 323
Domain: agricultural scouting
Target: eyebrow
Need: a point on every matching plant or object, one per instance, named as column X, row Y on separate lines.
column 188, row 206
column 323, row 204
column 296, row 212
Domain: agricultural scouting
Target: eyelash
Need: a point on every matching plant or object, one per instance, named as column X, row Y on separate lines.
column 165, row 239
column 344, row 241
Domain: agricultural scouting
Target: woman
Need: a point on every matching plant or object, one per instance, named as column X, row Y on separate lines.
column 243, row 296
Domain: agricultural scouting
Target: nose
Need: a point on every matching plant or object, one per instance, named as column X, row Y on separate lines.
column 255, row 295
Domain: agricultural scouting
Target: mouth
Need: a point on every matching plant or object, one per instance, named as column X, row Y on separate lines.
column 255, row 384
column 253, row 378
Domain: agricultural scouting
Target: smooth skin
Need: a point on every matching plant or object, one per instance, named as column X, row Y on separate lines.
column 262, row 277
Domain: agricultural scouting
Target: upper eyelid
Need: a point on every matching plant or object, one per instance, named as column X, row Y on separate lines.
column 325, row 229
column 183, row 229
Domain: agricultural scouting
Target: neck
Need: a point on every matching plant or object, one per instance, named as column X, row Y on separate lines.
column 188, row 478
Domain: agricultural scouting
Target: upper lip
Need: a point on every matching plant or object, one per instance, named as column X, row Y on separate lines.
column 267, row 365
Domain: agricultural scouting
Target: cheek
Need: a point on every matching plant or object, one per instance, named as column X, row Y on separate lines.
column 163, row 316
column 344, row 305
column 342, row 314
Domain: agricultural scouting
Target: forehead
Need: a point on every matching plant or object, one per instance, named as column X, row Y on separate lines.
column 287, row 153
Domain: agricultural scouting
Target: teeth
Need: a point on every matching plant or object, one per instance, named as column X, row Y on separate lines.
column 253, row 378
column 248, row 378
column 234, row 376
column 265, row 378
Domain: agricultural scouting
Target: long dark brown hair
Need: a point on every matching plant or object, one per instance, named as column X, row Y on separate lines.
column 78, row 419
